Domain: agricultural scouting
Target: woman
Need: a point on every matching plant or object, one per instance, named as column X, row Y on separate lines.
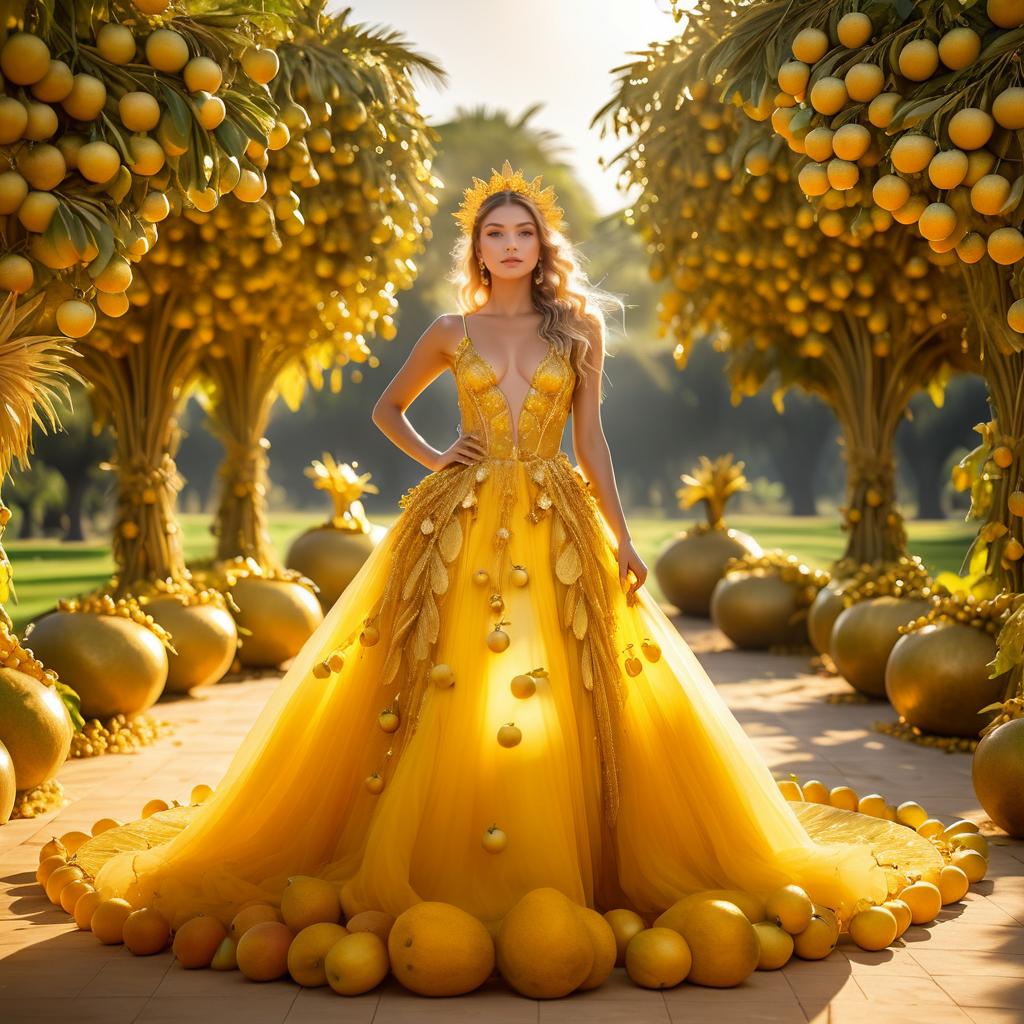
column 495, row 703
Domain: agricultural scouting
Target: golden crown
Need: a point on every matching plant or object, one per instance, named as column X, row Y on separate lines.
column 512, row 181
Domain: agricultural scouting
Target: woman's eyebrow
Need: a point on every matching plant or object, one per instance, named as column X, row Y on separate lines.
column 521, row 224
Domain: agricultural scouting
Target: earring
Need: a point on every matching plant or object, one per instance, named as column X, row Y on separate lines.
column 538, row 277
column 484, row 272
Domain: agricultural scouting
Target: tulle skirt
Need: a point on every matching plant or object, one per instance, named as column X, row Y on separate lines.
column 697, row 809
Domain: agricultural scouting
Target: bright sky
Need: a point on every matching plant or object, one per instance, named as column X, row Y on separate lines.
column 511, row 55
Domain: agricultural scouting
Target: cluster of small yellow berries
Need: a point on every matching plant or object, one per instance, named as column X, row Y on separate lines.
column 123, row 607
column 41, row 799
column 788, row 568
column 903, row 730
column 987, row 614
column 188, row 596
column 118, row 735
column 906, row 577
column 241, row 568
column 14, row 655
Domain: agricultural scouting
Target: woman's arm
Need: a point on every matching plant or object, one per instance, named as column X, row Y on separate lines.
column 594, row 458
column 430, row 357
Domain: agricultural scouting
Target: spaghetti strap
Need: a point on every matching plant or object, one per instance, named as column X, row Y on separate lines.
column 465, row 329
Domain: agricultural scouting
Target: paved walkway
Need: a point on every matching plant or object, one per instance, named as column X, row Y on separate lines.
column 966, row 966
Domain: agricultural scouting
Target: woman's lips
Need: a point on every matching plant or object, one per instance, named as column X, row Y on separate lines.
column 512, row 260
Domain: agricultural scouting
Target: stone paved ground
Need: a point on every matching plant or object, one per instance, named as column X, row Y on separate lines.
column 966, row 966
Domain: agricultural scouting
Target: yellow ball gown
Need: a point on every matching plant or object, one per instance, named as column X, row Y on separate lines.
column 632, row 786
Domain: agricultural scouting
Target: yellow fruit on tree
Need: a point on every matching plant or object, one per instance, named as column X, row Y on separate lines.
column 776, row 946
column 16, row 274
column 37, row 210
column 723, row 944
column 75, row 318
column 959, row 47
column 356, row 963
column 864, row 82
column 828, row 95
column 260, row 64
column 1005, row 13
column 139, row 111
column 813, row 180
column 970, row 128
column 989, row 194
column 912, row 153
column 308, row 951
column 658, row 958
column 918, row 60
column 937, row 222
column 202, row 74
column 98, row 161
column 851, row 141
column 810, row 45
column 55, row 85
column 438, row 949
column 1006, row 245
column 971, row 247
column 924, row 900
column 948, row 169
column 87, row 98
column 793, row 77
column 890, row 192
column 24, row 59
column 116, row 43
column 1008, row 108
column 882, row 108
column 166, row 50
column 874, row 928
column 854, row 29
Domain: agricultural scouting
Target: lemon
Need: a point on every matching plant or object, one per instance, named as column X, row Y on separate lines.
column 953, row 883
column 723, row 944
column 790, row 907
column 776, row 945
column 924, row 900
column 874, row 928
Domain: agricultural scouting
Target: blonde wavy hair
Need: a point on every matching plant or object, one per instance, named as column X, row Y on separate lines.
column 572, row 309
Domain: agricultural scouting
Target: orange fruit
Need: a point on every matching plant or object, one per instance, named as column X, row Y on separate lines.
column 624, row 924
column 375, row 921
column 602, row 938
column 72, row 893
column 255, row 913
column 85, row 906
column 107, row 922
column 438, row 949
column 658, row 958
column 197, row 940
column 262, row 952
column 146, row 932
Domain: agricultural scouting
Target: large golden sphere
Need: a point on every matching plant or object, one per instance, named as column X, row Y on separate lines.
column 35, row 729
column 281, row 616
column 115, row 665
column 331, row 558
column 753, row 610
column 822, row 614
column 998, row 776
column 937, row 678
column 691, row 563
column 8, row 785
column 863, row 636
column 205, row 637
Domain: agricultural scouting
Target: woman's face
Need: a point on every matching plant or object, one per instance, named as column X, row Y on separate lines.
column 509, row 233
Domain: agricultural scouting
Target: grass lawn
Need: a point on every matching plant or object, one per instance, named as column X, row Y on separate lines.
column 46, row 570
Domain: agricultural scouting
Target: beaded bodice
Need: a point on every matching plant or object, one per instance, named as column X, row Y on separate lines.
column 486, row 410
